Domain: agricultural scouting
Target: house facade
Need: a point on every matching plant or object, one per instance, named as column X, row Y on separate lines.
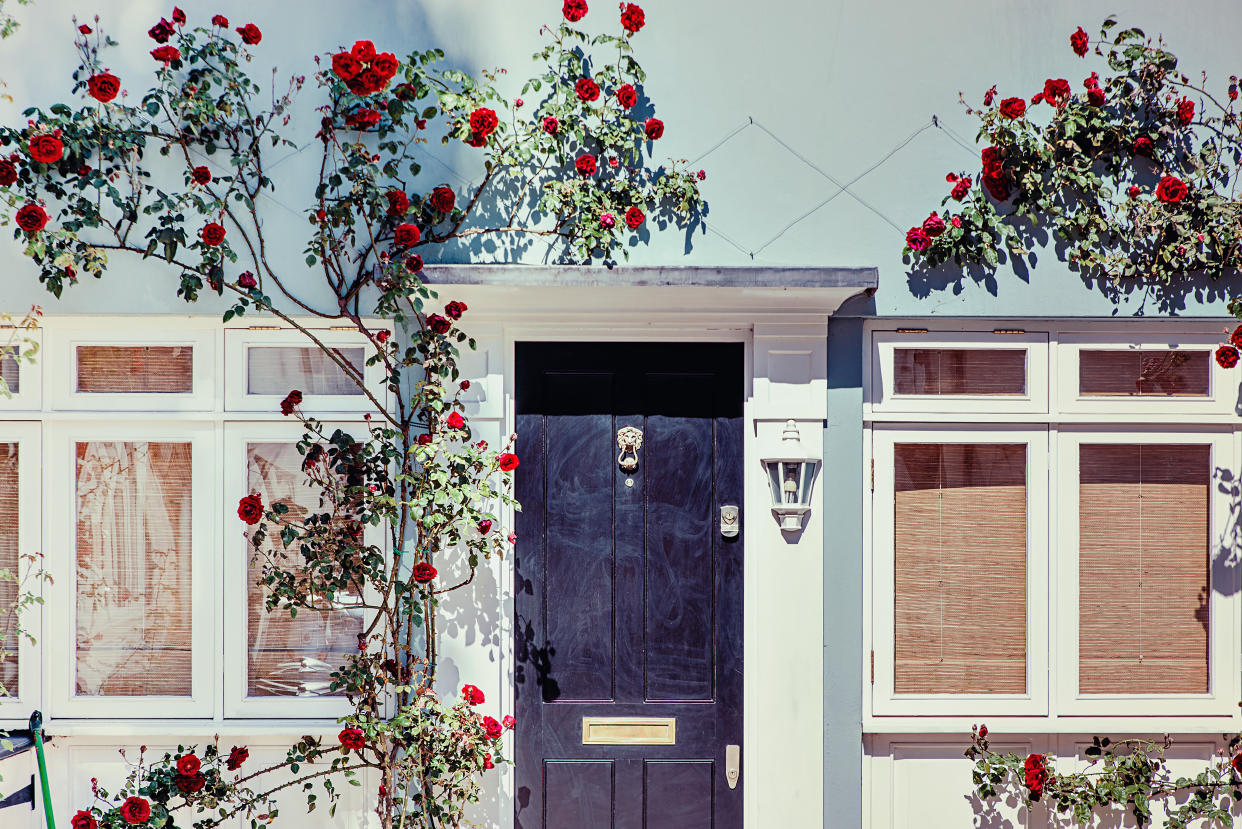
column 1021, row 508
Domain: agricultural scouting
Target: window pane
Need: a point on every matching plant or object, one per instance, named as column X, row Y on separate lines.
column 291, row 657
column 277, row 369
column 9, row 517
column 10, row 369
column 1143, row 569
column 960, row 559
column 133, row 575
column 998, row 371
column 1155, row 373
column 138, row 369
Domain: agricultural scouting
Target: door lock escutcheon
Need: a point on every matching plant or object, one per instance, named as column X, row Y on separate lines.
column 733, row 765
column 728, row 521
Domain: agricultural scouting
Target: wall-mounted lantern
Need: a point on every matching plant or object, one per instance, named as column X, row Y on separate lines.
column 791, row 475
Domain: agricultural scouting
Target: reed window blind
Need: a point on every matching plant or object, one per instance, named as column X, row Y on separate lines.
column 277, row 369
column 960, row 559
column 143, row 369
column 959, row 371
column 1144, row 373
column 1144, row 583
column 9, row 525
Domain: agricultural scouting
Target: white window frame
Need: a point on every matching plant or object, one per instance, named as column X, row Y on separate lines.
column 60, row 530
column 1223, row 611
column 237, row 342
column 883, row 399
column 29, row 532
column 62, row 365
column 237, row 550
column 29, row 397
column 885, row 701
column 1222, row 385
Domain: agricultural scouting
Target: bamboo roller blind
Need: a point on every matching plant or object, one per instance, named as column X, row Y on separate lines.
column 960, row 550
column 1146, row 373
column 286, row 656
column 9, row 517
column 141, row 369
column 944, row 371
column 1143, row 568
column 134, row 610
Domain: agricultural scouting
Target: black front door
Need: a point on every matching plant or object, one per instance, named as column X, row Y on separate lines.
column 629, row 591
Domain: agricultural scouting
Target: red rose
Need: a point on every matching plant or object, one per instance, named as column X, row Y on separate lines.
column 1227, row 356
column 363, row 118
column 382, row 335
column 1095, row 96
column 406, row 235
column 483, row 122
column 161, row 31
column 551, row 125
column 472, row 695
column 443, row 198
column 455, row 309
column 917, row 239
column 220, row 20
column 413, row 264
column 250, row 509
column 363, row 50
column 386, row 64
column 83, row 820
column 585, row 165
column 213, row 233
column 135, row 810
column 438, row 324
column 574, row 10
column 188, row 764
column 1133, row 191
column 632, row 18
column 485, row 526
column 1079, row 41
column 465, row 386
column 996, row 185
column 424, row 439
column 191, row 783
column 292, row 400
column 492, row 728
column 8, row 172
column 1143, row 146
column 455, row 421
column 178, row 16
column 634, row 218
column 1036, row 774
column 423, row 572
column 246, row 280
column 201, row 175
column 989, row 96
column 166, row 54
column 627, row 96
column 488, row 763
column 508, row 462
column 933, row 225
column 957, row 221
column 587, row 89
column 992, row 159
column 1236, row 337
column 1013, row 107
column 653, row 128
column 352, row 738
column 1056, row 91
column 346, row 66
column 1185, row 111
column 1171, row 190
column 238, row 755
column 46, row 149
column 104, row 86
column 1236, row 762
column 31, row 218
column 250, row 34
column 508, row 722
column 84, row 29
column 398, row 202
column 961, row 188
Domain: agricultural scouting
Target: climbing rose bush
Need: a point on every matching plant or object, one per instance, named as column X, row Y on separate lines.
column 409, row 506
column 1133, row 172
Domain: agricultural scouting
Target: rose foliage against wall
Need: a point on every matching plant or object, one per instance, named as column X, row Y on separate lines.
column 177, row 174
column 1132, row 170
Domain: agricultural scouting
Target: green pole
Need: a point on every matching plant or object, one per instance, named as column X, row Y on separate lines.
column 36, row 729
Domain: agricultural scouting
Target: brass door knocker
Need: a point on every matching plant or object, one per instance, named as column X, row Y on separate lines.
column 629, row 441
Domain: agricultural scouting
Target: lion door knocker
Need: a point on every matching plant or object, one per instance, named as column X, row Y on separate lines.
column 629, row 441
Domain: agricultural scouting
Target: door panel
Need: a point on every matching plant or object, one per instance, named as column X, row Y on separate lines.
column 629, row 599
